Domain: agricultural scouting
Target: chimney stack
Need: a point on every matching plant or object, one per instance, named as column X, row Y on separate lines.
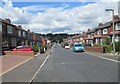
column 19, row 26
column 7, row 20
column 116, row 17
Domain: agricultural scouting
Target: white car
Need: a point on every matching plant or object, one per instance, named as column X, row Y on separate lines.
column 67, row 46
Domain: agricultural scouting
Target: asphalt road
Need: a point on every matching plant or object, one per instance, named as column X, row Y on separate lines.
column 64, row 65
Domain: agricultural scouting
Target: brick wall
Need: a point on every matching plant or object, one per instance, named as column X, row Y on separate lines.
column 98, row 49
column 110, row 29
column 19, row 53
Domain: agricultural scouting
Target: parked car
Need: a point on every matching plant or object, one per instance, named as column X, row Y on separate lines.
column 78, row 48
column 67, row 46
column 22, row 48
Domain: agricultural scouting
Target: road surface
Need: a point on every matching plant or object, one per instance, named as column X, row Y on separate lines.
column 64, row 65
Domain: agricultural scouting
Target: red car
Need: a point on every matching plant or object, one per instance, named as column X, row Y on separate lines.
column 22, row 48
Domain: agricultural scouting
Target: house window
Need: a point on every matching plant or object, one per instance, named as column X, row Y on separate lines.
column 24, row 33
column 13, row 42
column 105, row 31
column 19, row 33
column 9, row 29
column 99, row 32
column 5, row 43
column 118, row 26
column 28, row 36
column 116, row 38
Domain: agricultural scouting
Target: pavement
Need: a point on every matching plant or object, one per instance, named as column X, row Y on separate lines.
column 10, row 62
column 64, row 65
column 105, row 55
column 25, row 71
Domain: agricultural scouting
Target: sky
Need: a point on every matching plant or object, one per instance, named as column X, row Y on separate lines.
column 57, row 17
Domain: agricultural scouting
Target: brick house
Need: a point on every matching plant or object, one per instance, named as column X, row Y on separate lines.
column 30, row 40
column 22, row 36
column 38, row 40
column 89, row 37
column 117, row 30
column 77, row 38
column 9, row 35
column 31, row 37
column 13, row 35
column 43, row 41
column 106, row 31
column 103, row 31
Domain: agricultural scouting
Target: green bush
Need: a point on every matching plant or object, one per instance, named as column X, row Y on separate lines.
column 106, row 41
column 108, row 49
column 42, row 49
column 117, row 46
column 35, row 48
column 97, row 45
column 66, row 44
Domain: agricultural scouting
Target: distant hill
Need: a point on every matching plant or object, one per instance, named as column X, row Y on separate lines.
column 56, row 37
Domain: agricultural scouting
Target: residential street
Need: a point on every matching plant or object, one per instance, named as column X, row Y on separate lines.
column 64, row 65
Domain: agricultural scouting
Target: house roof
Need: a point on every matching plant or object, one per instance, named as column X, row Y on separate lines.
column 91, row 31
column 3, row 21
column 107, row 24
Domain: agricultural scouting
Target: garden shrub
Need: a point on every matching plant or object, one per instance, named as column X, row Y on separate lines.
column 35, row 48
column 96, row 45
column 42, row 49
column 106, row 41
column 108, row 48
column 117, row 46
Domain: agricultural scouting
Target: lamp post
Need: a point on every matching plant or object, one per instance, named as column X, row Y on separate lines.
column 113, row 29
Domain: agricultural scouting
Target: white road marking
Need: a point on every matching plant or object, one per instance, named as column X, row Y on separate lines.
column 39, row 68
column 104, row 58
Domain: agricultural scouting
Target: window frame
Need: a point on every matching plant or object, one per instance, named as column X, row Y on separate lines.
column 9, row 29
column 106, row 31
column 19, row 33
column 99, row 32
column 117, row 27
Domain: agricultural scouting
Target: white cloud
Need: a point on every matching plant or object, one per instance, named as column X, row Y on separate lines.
column 58, row 20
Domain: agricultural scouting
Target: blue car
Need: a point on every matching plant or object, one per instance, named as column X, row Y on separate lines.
column 78, row 48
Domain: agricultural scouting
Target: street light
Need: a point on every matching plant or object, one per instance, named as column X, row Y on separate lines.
column 113, row 29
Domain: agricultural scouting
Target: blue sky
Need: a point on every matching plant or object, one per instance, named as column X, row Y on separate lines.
column 57, row 17
column 55, row 4
column 66, row 5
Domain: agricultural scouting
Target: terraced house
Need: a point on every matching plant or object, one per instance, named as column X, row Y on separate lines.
column 13, row 36
column 103, row 31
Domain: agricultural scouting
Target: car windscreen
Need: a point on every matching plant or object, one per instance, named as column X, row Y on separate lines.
column 78, row 45
column 19, row 47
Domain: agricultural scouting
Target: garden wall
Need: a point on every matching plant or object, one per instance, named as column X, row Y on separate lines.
column 98, row 49
column 19, row 53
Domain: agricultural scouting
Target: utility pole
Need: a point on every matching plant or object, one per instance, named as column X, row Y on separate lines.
column 113, row 29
